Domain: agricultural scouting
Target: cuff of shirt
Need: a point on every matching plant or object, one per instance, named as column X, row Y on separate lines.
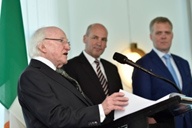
column 101, row 113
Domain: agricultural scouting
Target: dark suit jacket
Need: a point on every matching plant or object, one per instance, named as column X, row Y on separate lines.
column 150, row 87
column 49, row 100
column 80, row 69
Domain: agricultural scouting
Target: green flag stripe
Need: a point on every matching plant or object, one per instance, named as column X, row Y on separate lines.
column 12, row 50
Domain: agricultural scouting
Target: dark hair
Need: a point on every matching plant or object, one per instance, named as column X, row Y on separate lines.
column 159, row 20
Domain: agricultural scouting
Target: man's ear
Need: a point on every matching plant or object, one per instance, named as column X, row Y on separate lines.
column 42, row 48
column 84, row 38
column 150, row 36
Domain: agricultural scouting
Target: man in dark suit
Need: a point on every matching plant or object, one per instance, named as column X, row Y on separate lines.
column 47, row 98
column 83, row 68
column 150, row 87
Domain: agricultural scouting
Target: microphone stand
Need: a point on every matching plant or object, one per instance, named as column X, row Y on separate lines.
column 151, row 73
column 123, row 59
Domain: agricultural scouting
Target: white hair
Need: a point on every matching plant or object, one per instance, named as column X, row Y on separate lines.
column 35, row 40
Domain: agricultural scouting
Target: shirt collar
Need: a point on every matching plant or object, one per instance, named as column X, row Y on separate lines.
column 45, row 61
column 159, row 53
column 90, row 58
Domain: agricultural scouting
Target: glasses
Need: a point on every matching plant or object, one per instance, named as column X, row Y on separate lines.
column 60, row 40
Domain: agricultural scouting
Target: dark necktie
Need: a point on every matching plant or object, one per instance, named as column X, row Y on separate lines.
column 101, row 77
column 171, row 69
column 76, row 84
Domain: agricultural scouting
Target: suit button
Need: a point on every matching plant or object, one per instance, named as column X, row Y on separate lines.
column 94, row 123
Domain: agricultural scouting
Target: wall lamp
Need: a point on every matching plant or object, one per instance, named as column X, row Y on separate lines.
column 137, row 50
column 125, row 71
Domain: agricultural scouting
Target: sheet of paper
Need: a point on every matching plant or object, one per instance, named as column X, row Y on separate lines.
column 136, row 103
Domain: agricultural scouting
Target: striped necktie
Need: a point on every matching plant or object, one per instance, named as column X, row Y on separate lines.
column 76, row 84
column 171, row 69
column 101, row 77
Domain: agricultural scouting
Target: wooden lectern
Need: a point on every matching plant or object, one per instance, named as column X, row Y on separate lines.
column 164, row 112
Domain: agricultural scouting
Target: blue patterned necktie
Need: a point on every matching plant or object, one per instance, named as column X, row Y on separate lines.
column 171, row 69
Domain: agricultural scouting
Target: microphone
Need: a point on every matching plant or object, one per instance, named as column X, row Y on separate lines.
column 124, row 60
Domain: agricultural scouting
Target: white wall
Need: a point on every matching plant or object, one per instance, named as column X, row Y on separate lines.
column 126, row 20
column 111, row 13
column 143, row 12
column 1, row 116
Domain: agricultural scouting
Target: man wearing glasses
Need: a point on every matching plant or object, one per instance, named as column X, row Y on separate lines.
column 53, row 99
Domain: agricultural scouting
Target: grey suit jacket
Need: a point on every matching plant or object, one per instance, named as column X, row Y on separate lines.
column 49, row 100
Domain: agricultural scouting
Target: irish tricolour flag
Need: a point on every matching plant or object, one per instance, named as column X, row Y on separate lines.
column 13, row 59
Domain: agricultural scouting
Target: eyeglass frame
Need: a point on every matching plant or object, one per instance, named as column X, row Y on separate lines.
column 60, row 40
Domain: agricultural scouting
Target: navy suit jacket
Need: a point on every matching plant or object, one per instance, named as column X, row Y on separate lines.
column 80, row 69
column 49, row 100
column 152, row 88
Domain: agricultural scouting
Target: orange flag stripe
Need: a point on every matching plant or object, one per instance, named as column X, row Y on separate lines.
column 6, row 125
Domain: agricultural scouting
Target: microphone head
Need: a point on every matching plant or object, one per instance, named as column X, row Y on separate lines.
column 120, row 58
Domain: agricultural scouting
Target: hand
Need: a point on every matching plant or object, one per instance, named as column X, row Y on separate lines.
column 116, row 101
column 151, row 120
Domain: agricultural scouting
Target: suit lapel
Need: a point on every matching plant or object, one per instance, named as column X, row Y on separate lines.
column 180, row 68
column 59, row 79
column 164, row 72
column 91, row 73
column 64, row 82
column 88, row 68
column 160, row 65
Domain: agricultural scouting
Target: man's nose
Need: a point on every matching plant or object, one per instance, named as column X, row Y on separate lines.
column 67, row 47
column 163, row 35
column 99, row 42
